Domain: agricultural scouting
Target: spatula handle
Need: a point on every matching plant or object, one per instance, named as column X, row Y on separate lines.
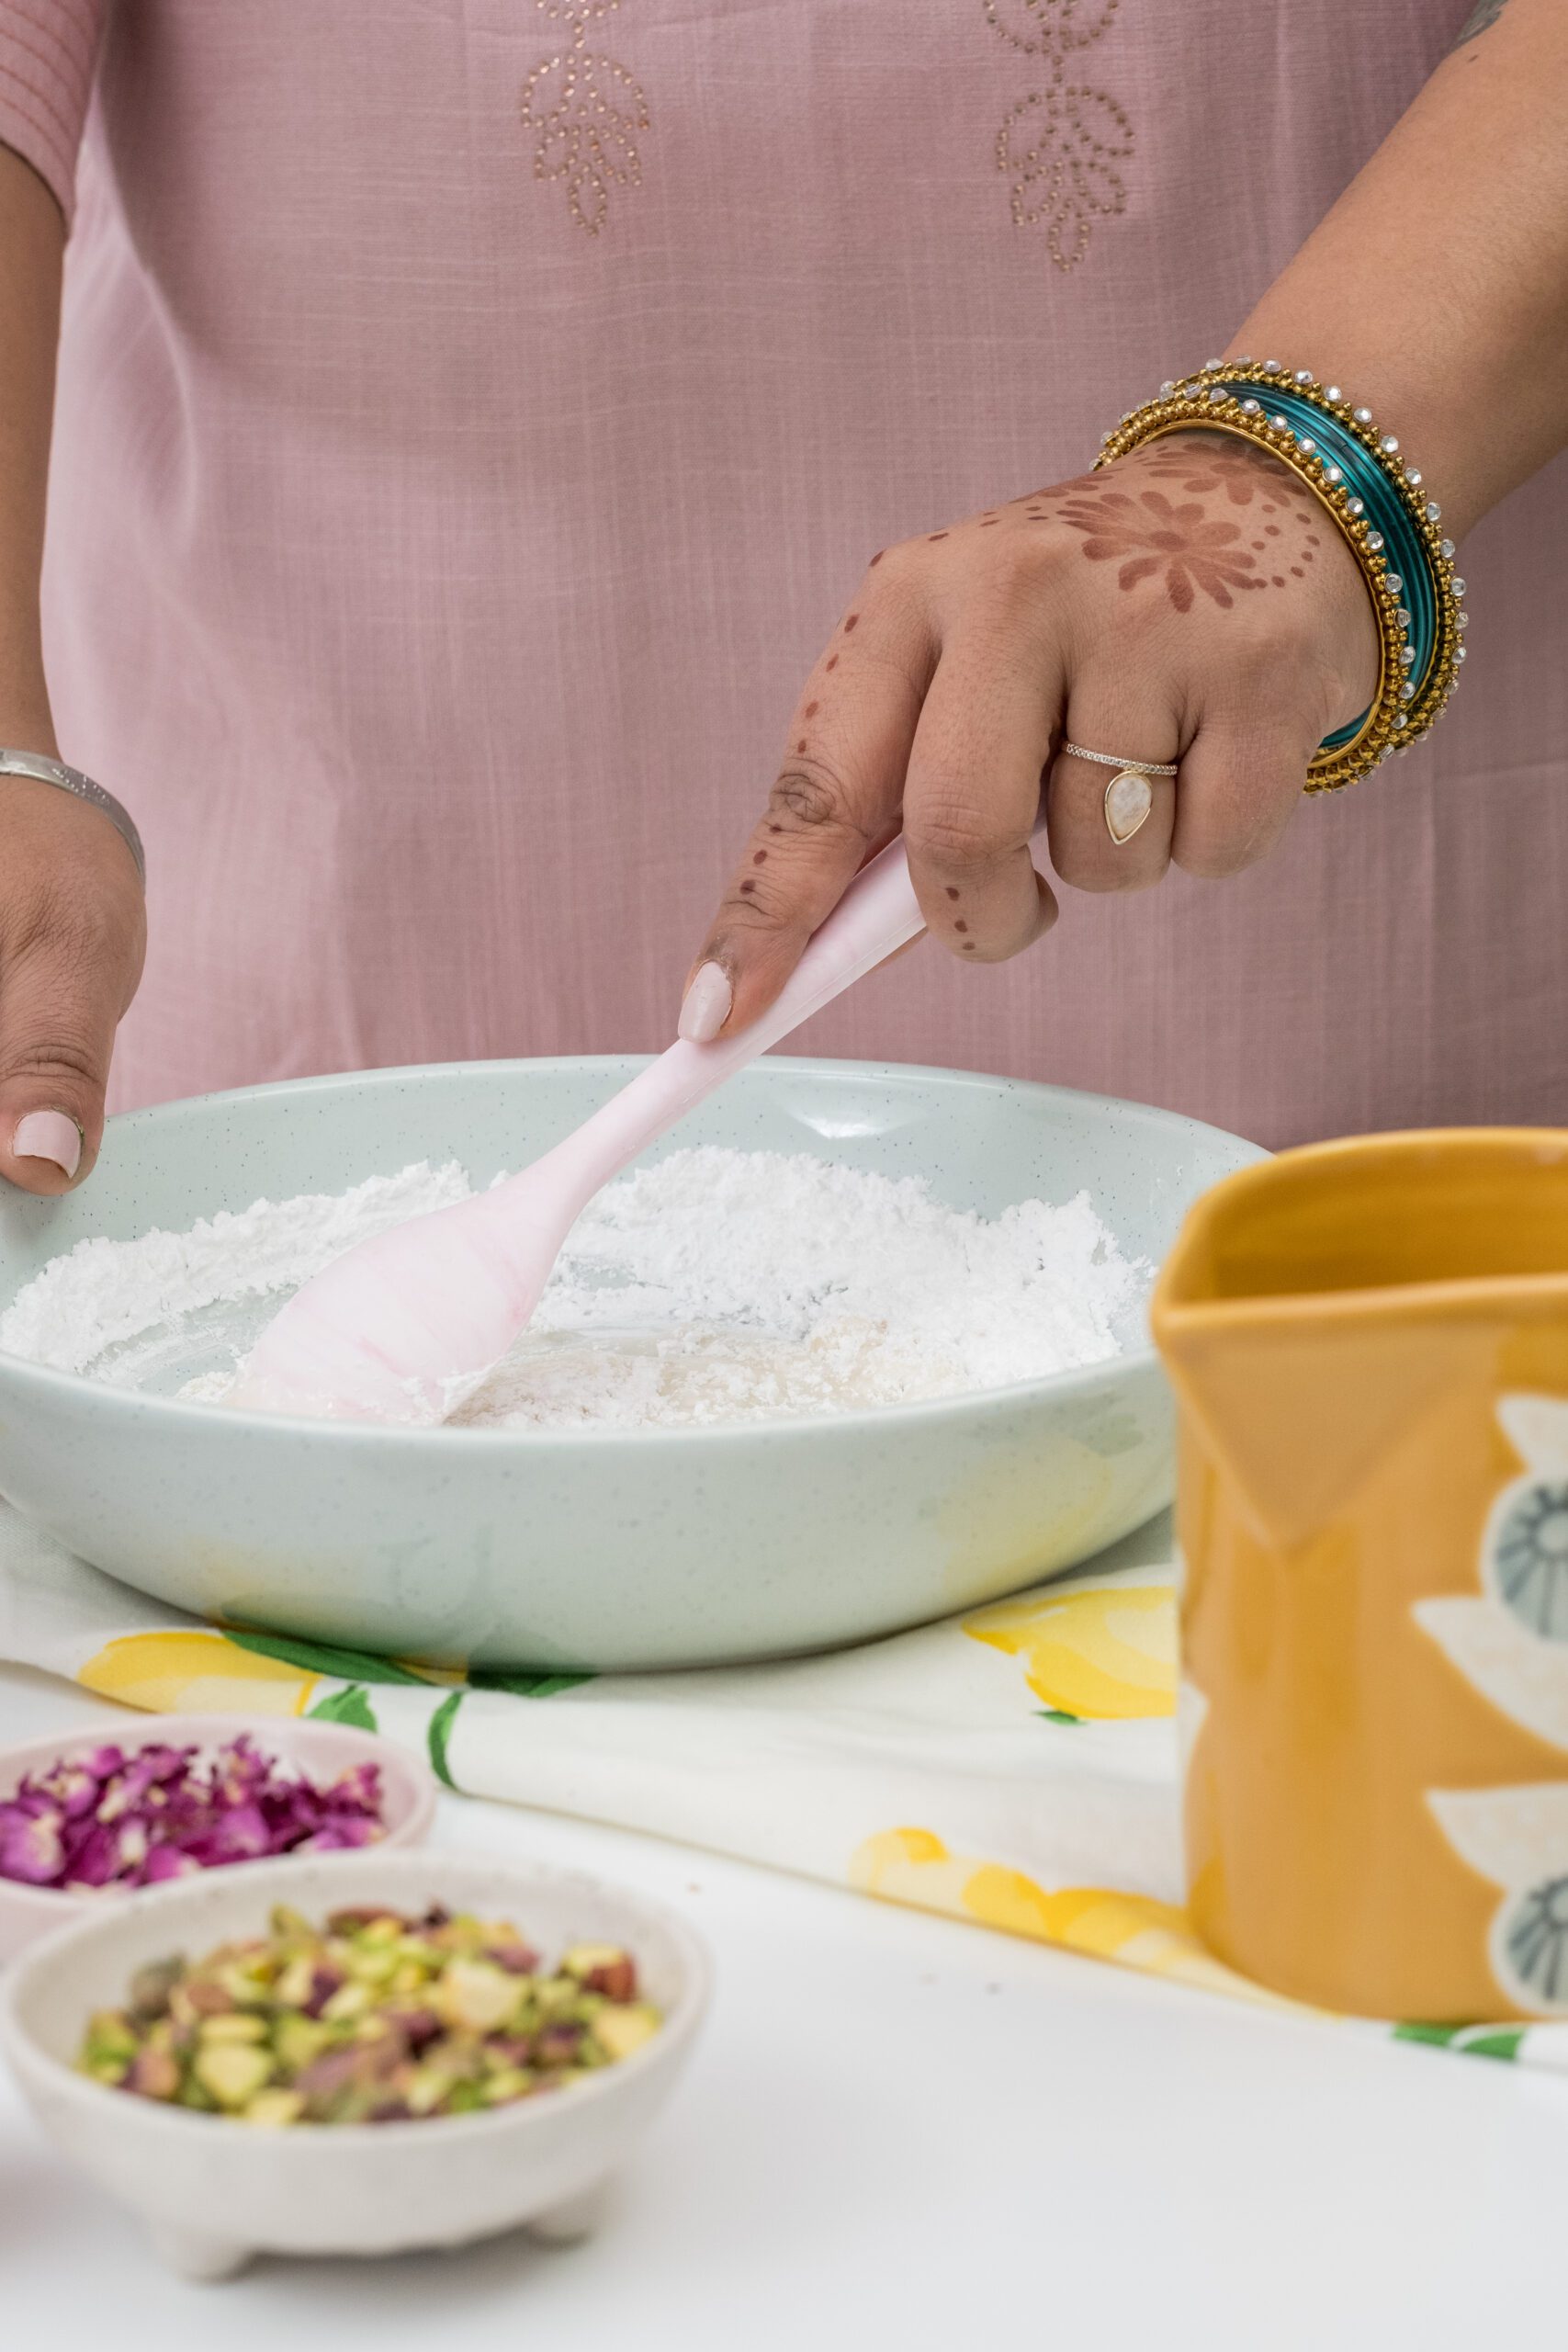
column 877, row 913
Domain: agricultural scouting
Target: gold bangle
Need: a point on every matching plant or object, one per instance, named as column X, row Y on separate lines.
column 1404, row 707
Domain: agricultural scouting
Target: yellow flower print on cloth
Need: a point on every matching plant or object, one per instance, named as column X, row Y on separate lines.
column 193, row 1673
column 1103, row 1655
column 913, row 1866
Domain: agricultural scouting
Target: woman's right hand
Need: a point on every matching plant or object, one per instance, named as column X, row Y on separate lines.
column 1190, row 604
column 73, row 936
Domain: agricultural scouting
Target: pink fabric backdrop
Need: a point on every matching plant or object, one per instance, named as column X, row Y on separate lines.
column 437, row 549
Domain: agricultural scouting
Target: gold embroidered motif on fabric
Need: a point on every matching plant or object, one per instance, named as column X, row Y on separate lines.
column 1060, row 144
column 588, row 112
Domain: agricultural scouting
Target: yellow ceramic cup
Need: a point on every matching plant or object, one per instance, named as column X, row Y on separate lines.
column 1369, row 1342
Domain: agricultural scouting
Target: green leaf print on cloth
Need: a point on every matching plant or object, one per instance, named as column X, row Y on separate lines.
column 522, row 1683
column 440, row 1732
column 322, row 1657
column 1470, row 2041
column 350, row 1706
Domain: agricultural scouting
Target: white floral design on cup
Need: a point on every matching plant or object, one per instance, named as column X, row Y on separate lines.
column 1510, row 1643
column 1518, row 1838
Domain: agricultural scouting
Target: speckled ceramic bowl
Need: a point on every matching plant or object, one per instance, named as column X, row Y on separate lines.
column 214, row 2192
column 603, row 1548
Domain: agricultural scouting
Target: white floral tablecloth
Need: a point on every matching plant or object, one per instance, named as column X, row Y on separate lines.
column 1015, row 1766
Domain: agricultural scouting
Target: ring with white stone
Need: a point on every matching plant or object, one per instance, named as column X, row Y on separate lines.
column 1128, row 798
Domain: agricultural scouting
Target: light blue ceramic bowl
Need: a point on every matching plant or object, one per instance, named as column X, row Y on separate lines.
column 603, row 1548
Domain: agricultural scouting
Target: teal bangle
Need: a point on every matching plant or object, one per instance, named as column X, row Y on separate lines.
column 1377, row 499
column 1373, row 494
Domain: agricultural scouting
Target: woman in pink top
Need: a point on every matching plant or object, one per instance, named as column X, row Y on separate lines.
column 470, row 418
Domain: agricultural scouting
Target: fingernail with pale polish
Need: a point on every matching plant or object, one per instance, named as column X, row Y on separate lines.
column 706, row 1008
column 49, row 1134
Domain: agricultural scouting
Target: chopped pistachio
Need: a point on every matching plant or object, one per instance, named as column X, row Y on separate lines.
column 234, row 2072
column 151, row 1986
column 274, row 2109
column 507, row 2082
column 350, row 2000
column 425, row 2090
column 294, row 1981
column 110, row 2045
column 298, row 2039
column 373, row 2019
column 620, row 2030
column 603, row 1968
column 238, row 2025
column 377, row 1966
column 475, row 1995
column 581, row 1960
column 203, row 1997
column 155, row 2073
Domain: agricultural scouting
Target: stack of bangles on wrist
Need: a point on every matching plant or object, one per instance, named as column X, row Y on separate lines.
column 1376, row 498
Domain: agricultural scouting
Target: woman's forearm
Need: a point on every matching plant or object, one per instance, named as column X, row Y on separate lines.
column 1436, row 289
column 32, row 241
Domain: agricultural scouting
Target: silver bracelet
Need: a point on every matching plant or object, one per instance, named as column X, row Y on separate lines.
column 72, row 780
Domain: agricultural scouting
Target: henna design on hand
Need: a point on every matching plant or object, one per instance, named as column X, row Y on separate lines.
column 1149, row 537
column 1185, row 542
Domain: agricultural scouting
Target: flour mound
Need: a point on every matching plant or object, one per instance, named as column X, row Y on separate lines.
column 103, row 1293
column 713, row 1287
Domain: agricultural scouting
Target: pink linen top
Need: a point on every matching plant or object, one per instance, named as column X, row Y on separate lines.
column 473, row 413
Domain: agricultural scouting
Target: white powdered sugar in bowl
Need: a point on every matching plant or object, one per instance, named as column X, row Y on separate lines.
column 715, row 1285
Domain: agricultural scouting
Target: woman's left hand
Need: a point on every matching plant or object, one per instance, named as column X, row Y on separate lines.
column 1192, row 603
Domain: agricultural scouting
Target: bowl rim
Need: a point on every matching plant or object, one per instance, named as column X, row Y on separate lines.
column 182, row 1730
column 675, row 2035
column 83, row 1392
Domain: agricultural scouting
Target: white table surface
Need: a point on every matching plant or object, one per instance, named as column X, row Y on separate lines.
column 901, row 2133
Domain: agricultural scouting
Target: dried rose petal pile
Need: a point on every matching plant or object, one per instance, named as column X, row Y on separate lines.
column 114, row 1819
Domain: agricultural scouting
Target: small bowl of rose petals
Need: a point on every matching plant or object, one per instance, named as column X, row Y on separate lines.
column 95, row 1815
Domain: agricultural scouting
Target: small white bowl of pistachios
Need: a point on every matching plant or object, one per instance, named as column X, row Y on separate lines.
column 354, row 2052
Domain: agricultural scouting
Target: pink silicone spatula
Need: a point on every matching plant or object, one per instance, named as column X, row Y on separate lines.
column 404, row 1325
